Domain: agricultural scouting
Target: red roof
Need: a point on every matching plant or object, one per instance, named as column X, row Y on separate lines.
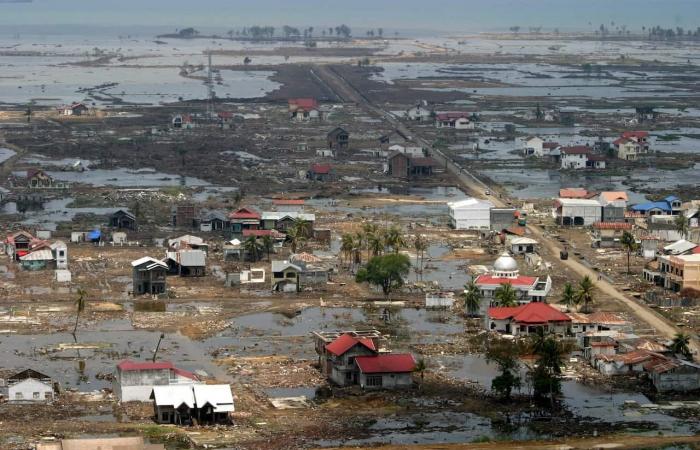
column 635, row 134
column 347, row 341
column 612, row 225
column 520, row 280
column 573, row 193
column 128, row 365
column 533, row 313
column 576, row 150
column 388, row 363
column 696, row 250
column 225, row 114
column 287, row 201
column 452, row 115
column 620, row 141
column 550, row 145
column 321, row 168
column 245, row 213
column 303, row 103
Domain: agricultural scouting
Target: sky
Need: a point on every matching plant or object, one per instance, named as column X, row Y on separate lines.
column 442, row 15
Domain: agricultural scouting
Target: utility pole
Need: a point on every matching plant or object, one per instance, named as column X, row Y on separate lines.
column 210, row 88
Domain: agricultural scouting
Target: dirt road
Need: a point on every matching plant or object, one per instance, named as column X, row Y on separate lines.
column 347, row 92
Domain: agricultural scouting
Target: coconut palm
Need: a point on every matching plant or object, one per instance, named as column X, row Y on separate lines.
column 584, row 294
column 421, row 245
column 568, row 296
column 472, row 298
column 267, row 245
column 375, row 245
column 297, row 234
column 347, row 244
column 682, row 225
column 629, row 243
column 80, row 306
column 252, row 248
column 680, row 345
column 394, row 238
column 505, row 295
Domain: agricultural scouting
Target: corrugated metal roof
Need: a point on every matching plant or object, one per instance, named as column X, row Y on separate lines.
column 219, row 396
column 188, row 258
column 39, row 255
column 174, row 395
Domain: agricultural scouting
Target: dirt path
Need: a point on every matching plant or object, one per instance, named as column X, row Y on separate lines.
column 347, row 92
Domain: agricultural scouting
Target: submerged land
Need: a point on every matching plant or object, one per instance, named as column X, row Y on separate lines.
column 242, row 150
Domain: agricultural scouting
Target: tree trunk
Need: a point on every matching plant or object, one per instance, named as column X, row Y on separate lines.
column 77, row 317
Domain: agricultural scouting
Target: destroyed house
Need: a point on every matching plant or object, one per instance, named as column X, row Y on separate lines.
column 320, row 172
column 184, row 215
column 75, row 109
column 401, row 165
column 37, row 179
column 123, row 220
column 285, row 276
column 134, row 381
column 338, row 138
column 187, row 404
column 284, row 221
column 303, row 109
column 214, row 221
column 27, row 386
column 188, row 242
column 186, row 263
column 18, row 244
column 149, row 276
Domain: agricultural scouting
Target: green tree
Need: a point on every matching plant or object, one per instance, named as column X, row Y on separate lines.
column 421, row 245
column 472, row 298
column 568, row 296
column 505, row 295
column 546, row 382
column 505, row 354
column 420, row 368
column 681, row 222
column 386, row 271
column 375, row 245
column 584, row 293
column 298, row 233
column 347, row 245
column 681, row 346
column 80, row 306
column 629, row 243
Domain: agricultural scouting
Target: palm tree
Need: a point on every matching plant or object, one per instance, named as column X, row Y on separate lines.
column 393, row 237
column 267, row 245
column 421, row 245
column 347, row 245
column 568, row 296
column 80, row 306
column 505, row 295
column 252, row 248
column 472, row 298
column 629, row 243
column 375, row 245
column 681, row 223
column 585, row 293
column 298, row 233
column 369, row 233
column 680, row 345
column 421, row 367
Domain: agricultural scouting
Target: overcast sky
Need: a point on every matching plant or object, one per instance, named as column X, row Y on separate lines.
column 448, row 15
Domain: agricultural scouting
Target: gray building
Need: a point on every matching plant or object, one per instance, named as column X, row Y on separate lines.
column 148, row 276
column 502, row 218
column 134, row 381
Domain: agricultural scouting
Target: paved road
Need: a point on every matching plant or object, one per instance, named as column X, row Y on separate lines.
column 345, row 91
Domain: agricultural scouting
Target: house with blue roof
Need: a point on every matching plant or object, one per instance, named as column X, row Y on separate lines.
column 670, row 205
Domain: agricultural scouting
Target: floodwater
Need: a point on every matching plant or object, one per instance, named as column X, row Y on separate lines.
column 5, row 154
column 52, row 212
column 145, row 177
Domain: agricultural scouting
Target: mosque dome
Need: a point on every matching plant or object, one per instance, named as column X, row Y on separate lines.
column 505, row 263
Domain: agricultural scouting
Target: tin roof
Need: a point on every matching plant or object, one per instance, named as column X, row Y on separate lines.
column 386, row 363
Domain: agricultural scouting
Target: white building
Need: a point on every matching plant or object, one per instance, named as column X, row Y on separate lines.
column 522, row 245
column 505, row 271
column 27, row 386
column 578, row 211
column 533, row 146
column 60, row 254
column 134, row 381
column 470, row 214
column 580, row 157
column 418, row 113
column 413, row 152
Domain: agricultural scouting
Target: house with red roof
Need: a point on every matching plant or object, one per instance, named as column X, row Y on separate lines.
column 505, row 271
column 303, row 109
column 135, row 380
column 244, row 218
column 392, row 370
column 631, row 145
column 183, row 121
column 320, row 172
column 454, row 119
column 526, row 319
column 341, row 354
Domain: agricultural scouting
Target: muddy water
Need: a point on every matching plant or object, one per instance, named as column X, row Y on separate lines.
column 49, row 214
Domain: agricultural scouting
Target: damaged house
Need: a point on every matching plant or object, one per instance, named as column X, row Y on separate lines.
column 338, row 139
column 191, row 404
column 27, row 386
column 149, row 276
column 135, row 381
column 186, row 263
column 123, row 220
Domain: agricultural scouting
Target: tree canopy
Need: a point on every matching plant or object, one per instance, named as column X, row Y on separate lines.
column 386, row 271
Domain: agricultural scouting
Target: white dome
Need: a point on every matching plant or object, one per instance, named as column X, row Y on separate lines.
column 505, row 263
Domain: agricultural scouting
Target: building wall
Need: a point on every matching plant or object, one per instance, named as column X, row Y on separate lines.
column 389, row 380
column 590, row 214
column 27, row 389
column 677, row 380
column 474, row 217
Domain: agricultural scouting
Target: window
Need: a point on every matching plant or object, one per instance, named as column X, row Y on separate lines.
column 348, row 375
column 36, row 395
column 48, row 396
column 18, row 396
column 374, row 380
column 351, row 360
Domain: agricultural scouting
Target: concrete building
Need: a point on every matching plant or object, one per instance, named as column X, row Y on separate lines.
column 680, row 272
column 27, row 386
column 60, row 254
column 134, row 381
column 418, row 113
column 522, row 245
column 505, row 271
column 107, row 443
column 182, row 404
column 614, row 205
column 501, row 218
column 609, row 234
column 632, row 145
column 338, row 139
column 470, row 214
column 456, row 120
column 342, row 353
column 285, row 276
column 187, row 263
column 385, row 371
column 149, row 276
column 527, row 319
column 670, row 374
column 303, row 109
column 580, row 157
column 578, row 211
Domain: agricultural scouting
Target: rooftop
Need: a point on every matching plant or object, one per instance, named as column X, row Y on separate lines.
column 347, row 341
column 533, row 313
column 386, row 363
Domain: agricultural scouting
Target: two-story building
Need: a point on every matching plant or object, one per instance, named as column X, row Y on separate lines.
column 580, row 157
column 632, row 145
column 149, row 276
column 134, row 380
